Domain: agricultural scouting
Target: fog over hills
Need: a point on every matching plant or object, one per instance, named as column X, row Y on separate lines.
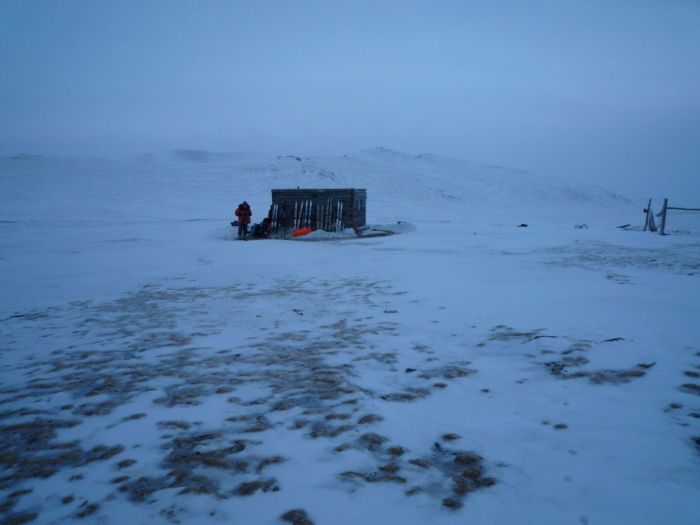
column 425, row 187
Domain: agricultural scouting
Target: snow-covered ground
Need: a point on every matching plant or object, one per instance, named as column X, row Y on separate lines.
column 467, row 370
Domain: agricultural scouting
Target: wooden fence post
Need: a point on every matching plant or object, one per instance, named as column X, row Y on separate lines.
column 646, row 217
column 663, row 217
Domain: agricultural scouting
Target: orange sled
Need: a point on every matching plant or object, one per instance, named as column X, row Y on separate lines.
column 301, row 231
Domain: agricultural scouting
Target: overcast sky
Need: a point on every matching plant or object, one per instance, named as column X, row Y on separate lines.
column 606, row 92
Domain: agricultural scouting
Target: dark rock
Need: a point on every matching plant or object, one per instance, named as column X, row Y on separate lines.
column 422, row 463
column 266, row 462
column 373, row 477
column 21, row 492
column 88, row 509
column 95, row 409
column 372, row 441
column 452, row 503
column 331, row 417
column 691, row 388
column 251, row 487
column 199, row 485
column 461, row 488
column 19, row 519
column 141, row 488
column 126, row 463
column 466, row 458
column 391, row 468
column 473, row 472
column 487, row 482
column 410, row 394
column 282, row 406
column 134, row 417
column 102, row 453
column 181, row 425
column 119, row 479
column 696, row 441
column 297, row 517
column 327, row 431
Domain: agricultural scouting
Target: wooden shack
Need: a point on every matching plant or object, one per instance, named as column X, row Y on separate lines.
column 318, row 209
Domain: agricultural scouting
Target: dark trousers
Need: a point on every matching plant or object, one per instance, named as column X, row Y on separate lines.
column 242, row 230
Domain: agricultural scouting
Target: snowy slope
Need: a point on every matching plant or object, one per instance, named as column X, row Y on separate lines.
column 468, row 371
column 191, row 184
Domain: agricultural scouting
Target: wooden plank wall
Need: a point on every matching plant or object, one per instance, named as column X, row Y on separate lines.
column 329, row 209
column 360, row 209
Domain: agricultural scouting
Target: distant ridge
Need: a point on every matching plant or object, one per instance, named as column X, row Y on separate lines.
column 26, row 156
column 199, row 183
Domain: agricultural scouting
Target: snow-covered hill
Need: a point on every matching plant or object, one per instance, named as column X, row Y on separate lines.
column 198, row 184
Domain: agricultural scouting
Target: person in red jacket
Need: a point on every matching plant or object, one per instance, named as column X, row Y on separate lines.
column 244, row 213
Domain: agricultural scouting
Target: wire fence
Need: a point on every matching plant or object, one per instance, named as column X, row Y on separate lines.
column 672, row 220
column 682, row 221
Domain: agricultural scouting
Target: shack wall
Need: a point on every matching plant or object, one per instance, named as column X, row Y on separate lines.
column 319, row 209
